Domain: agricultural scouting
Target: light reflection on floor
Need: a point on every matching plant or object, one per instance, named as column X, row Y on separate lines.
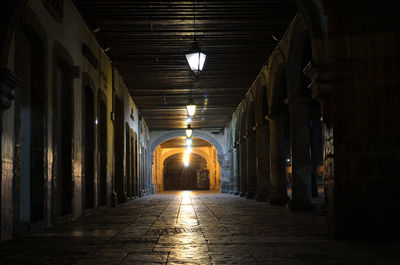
column 193, row 227
column 186, row 246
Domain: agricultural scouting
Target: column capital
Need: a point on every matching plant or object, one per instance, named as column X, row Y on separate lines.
column 325, row 74
column 9, row 82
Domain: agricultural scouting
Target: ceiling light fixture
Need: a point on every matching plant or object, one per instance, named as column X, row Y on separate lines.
column 194, row 57
column 189, row 131
column 191, row 107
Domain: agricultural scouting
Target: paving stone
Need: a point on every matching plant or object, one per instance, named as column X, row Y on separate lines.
column 194, row 228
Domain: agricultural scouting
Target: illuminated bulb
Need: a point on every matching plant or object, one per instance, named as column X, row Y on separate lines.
column 195, row 58
column 96, row 121
column 189, row 131
column 191, row 109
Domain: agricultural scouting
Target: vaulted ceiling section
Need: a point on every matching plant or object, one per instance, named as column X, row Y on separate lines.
column 148, row 40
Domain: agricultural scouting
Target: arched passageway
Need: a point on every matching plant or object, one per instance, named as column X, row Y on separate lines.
column 193, row 176
column 201, row 172
column 87, row 98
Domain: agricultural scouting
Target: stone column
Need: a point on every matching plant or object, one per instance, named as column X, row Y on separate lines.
column 236, row 179
column 300, row 153
column 277, row 159
column 263, row 168
column 251, row 165
column 243, row 168
column 231, row 172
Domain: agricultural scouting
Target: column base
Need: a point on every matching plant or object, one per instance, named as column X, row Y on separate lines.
column 242, row 194
column 236, row 193
column 301, row 206
column 262, row 197
column 250, row 195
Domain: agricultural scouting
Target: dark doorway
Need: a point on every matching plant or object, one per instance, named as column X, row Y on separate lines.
column 30, row 67
column 135, row 166
column 128, row 164
column 103, row 152
column 119, row 149
column 63, row 132
column 89, row 123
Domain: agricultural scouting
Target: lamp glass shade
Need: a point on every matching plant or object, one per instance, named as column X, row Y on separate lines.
column 196, row 61
column 191, row 109
column 189, row 131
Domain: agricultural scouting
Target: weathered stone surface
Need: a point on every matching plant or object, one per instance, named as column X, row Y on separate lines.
column 193, row 228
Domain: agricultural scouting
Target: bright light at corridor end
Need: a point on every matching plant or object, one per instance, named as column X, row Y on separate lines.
column 186, row 157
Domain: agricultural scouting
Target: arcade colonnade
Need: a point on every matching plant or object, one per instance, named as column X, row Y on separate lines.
column 67, row 119
column 321, row 106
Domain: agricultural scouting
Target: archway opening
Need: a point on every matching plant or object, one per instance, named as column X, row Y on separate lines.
column 89, row 147
column 201, row 171
column 30, row 67
column 193, row 176
column 63, row 136
column 103, row 151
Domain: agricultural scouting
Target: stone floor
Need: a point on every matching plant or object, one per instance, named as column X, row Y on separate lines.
column 193, row 228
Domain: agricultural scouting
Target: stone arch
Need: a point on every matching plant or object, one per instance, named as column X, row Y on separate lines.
column 250, row 146
column 299, row 55
column 196, row 133
column 250, row 115
column 276, row 83
column 261, row 101
column 239, row 121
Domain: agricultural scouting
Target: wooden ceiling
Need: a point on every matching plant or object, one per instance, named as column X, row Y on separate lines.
column 179, row 142
column 148, row 39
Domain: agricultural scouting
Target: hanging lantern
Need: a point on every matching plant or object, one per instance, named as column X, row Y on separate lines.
column 191, row 108
column 189, row 131
column 195, row 58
